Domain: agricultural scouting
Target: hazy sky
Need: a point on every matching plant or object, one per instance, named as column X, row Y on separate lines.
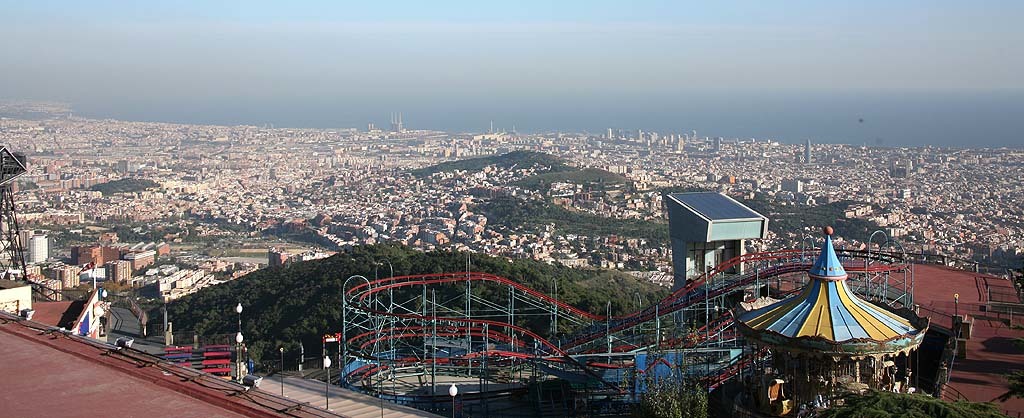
column 376, row 55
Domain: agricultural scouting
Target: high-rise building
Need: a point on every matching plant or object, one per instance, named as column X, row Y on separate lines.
column 807, row 152
column 68, row 275
column 38, row 249
column 119, row 271
column 609, row 135
column 24, row 236
column 95, row 254
column 396, row 123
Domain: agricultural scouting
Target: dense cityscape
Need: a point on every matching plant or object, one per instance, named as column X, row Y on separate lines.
column 525, row 209
column 322, row 190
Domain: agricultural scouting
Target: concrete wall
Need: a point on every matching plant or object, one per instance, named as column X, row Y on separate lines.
column 15, row 299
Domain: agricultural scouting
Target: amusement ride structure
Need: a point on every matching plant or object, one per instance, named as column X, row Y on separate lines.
column 406, row 338
column 826, row 341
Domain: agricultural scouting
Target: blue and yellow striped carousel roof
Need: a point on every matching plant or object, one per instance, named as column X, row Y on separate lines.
column 828, row 309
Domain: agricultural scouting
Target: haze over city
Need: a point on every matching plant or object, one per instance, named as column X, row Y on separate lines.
column 907, row 74
column 525, row 209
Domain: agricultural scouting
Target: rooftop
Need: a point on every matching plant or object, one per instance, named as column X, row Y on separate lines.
column 991, row 350
column 715, row 206
column 58, row 314
column 11, row 284
column 91, row 379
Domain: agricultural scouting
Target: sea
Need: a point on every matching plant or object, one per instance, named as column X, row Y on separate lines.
column 962, row 119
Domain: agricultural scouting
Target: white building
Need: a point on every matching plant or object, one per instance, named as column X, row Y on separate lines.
column 38, row 249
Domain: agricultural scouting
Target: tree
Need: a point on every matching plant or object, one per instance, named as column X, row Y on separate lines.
column 115, row 287
column 673, row 400
column 1016, row 381
column 893, row 405
column 302, row 301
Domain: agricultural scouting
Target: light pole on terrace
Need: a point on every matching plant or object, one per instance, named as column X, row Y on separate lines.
column 956, row 310
column 453, row 391
column 238, row 345
column 238, row 356
column 238, row 310
column 327, row 383
column 282, row 370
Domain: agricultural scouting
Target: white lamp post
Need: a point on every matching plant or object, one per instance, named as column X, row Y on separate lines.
column 453, row 391
column 238, row 310
column 327, row 384
column 238, row 355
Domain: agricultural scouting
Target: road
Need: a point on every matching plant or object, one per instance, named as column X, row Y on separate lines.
column 124, row 324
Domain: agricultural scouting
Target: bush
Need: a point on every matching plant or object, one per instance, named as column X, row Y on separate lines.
column 673, row 400
column 897, row 405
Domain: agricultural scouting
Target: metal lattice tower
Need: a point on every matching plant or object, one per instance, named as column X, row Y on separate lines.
column 12, row 256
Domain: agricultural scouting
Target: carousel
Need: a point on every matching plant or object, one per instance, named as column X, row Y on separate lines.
column 826, row 342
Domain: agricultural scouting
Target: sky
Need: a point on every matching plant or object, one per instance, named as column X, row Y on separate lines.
column 542, row 64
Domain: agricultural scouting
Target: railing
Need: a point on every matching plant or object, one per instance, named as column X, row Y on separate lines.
column 951, row 394
column 193, row 339
column 944, row 320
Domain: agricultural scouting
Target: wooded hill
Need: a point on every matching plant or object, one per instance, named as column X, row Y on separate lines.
column 302, row 301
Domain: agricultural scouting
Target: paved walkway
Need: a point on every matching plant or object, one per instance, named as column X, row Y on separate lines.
column 342, row 401
column 124, row 324
column 991, row 350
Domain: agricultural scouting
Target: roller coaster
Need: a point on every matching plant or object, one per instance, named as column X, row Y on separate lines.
column 406, row 338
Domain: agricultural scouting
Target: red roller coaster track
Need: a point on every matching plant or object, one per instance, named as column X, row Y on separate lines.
column 695, row 291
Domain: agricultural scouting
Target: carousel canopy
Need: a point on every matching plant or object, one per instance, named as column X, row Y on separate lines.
column 827, row 309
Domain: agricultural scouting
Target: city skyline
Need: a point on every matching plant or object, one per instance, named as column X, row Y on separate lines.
column 572, row 208
column 916, row 73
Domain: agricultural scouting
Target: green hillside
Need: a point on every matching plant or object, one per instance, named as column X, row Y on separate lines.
column 533, row 215
column 520, row 159
column 129, row 185
column 302, row 301
column 592, row 177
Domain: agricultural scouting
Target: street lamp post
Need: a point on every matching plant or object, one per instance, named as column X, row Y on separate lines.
column 238, row 344
column 282, row 370
column 453, row 391
column 238, row 356
column 956, row 314
column 327, row 384
column 238, row 310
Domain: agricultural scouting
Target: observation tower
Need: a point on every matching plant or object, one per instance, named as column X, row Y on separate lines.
column 826, row 341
